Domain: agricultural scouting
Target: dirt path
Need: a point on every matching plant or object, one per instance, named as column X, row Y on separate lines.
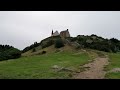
column 94, row 69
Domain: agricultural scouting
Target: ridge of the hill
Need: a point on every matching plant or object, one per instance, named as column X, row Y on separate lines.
column 75, row 43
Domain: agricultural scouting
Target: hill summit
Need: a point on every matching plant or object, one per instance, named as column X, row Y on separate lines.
column 76, row 43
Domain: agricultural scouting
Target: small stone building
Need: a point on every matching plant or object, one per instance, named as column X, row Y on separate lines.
column 63, row 34
column 56, row 33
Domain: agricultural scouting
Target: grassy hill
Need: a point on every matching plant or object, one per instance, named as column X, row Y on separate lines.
column 79, row 42
column 64, row 62
column 51, row 49
column 57, row 63
column 41, row 66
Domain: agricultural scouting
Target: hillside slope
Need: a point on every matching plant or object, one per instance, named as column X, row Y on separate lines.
column 79, row 42
column 60, row 65
column 50, row 49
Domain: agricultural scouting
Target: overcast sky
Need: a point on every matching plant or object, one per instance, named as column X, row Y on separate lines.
column 23, row 28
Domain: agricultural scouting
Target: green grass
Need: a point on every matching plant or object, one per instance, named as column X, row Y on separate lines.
column 40, row 66
column 113, row 75
column 114, row 62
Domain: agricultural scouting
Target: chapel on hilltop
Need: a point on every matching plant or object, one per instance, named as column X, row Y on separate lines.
column 62, row 34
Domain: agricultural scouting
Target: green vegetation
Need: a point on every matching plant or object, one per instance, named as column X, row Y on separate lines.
column 97, row 43
column 89, row 42
column 69, row 53
column 33, row 50
column 44, row 43
column 30, row 47
column 113, row 75
column 59, row 43
column 9, row 52
column 40, row 66
column 114, row 62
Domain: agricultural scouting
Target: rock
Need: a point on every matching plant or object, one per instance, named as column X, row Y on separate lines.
column 115, row 70
column 55, row 67
column 84, row 50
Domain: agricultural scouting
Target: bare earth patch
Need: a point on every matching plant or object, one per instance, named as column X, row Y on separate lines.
column 95, row 69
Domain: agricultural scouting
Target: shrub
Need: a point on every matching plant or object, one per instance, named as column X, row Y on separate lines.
column 59, row 43
column 31, row 47
column 43, row 52
column 57, row 51
column 11, row 53
column 33, row 50
column 47, row 43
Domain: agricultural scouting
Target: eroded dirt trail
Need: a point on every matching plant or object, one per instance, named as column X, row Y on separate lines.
column 95, row 69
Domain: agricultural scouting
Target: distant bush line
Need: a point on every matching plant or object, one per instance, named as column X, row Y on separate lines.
column 9, row 52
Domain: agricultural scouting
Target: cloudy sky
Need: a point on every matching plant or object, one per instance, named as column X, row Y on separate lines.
column 23, row 28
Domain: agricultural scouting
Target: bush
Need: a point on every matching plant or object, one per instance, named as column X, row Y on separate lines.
column 34, row 50
column 99, row 43
column 59, row 43
column 47, row 43
column 11, row 53
column 78, row 47
column 31, row 47
column 43, row 52
column 114, row 40
column 57, row 51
